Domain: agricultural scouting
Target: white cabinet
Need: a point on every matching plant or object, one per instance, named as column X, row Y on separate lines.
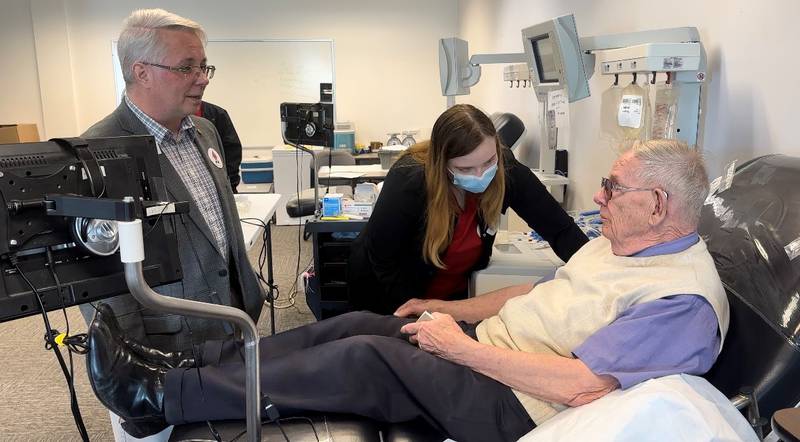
column 514, row 261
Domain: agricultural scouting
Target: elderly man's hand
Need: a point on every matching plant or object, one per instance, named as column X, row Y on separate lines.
column 440, row 336
column 415, row 307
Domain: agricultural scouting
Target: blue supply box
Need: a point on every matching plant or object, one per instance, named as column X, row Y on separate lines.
column 344, row 139
column 344, row 136
column 258, row 172
column 332, row 204
column 256, row 167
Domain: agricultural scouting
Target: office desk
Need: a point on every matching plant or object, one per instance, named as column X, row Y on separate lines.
column 367, row 158
column 254, row 188
column 252, row 208
column 351, row 175
column 255, row 205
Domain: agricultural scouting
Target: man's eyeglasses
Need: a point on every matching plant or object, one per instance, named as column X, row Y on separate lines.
column 609, row 187
column 208, row 70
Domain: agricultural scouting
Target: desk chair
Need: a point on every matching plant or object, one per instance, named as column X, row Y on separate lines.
column 331, row 157
column 303, row 204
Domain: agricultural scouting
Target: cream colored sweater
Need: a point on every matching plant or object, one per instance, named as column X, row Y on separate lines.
column 590, row 292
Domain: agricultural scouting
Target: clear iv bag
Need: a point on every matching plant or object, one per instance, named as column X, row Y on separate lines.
column 632, row 112
column 665, row 107
column 648, row 108
column 610, row 130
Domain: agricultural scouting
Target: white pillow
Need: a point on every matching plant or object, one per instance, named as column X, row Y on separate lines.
column 672, row 408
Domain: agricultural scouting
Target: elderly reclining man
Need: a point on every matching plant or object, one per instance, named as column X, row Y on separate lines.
column 643, row 300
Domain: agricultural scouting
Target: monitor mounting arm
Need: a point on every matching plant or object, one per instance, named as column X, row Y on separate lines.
column 131, row 250
column 311, row 152
column 475, row 62
column 131, row 241
column 457, row 73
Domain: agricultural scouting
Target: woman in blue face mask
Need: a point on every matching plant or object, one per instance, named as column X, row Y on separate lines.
column 435, row 220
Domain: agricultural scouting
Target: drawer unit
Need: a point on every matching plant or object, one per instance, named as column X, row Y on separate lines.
column 327, row 294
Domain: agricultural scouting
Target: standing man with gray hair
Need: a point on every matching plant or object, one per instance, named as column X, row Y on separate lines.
column 165, row 69
column 642, row 301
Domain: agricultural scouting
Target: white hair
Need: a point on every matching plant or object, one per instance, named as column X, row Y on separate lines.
column 140, row 40
column 676, row 168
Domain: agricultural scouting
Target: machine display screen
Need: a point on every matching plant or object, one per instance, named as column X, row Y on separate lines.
column 545, row 58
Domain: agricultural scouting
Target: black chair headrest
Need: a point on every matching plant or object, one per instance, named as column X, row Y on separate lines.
column 509, row 128
column 749, row 227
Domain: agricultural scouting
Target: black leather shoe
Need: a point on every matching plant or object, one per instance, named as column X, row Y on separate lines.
column 174, row 359
column 126, row 384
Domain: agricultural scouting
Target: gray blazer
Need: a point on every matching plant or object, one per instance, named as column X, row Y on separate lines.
column 206, row 275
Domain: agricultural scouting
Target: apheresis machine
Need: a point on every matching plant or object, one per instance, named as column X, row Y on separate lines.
column 656, row 93
column 558, row 63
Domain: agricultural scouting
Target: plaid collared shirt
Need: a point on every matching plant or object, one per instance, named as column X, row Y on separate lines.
column 182, row 153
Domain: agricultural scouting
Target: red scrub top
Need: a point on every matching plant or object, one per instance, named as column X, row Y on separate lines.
column 460, row 256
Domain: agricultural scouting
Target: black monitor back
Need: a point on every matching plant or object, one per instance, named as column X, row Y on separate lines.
column 308, row 123
column 129, row 166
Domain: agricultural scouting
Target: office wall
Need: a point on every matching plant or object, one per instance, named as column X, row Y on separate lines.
column 387, row 70
column 19, row 82
column 386, row 54
column 749, row 96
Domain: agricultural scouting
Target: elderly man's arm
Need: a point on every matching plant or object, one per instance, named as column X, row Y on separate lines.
column 469, row 310
column 677, row 334
column 552, row 378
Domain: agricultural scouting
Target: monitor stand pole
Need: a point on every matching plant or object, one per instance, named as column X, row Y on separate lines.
column 131, row 244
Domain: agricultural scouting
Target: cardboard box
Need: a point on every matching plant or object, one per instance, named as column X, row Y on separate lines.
column 358, row 208
column 18, row 133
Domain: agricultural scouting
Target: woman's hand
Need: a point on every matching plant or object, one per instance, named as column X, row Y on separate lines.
column 415, row 307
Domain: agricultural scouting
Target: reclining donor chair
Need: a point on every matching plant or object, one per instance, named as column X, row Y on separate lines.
column 752, row 227
column 751, row 224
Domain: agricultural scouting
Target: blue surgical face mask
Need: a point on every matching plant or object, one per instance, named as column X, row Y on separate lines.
column 475, row 184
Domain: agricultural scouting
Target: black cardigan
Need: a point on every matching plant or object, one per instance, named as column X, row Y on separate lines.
column 231, row 145
column 386, row 266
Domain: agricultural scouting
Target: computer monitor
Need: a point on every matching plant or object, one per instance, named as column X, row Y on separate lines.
column 555, row 57
column 30, row 173
column 308, row 123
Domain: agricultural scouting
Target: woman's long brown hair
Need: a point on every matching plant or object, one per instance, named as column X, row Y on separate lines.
column 457, row 132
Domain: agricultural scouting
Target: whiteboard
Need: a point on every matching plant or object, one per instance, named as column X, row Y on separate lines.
column 254, row 76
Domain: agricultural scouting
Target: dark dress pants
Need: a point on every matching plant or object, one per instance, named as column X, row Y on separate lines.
column 354, row 363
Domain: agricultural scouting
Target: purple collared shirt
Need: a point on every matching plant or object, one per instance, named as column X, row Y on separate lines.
column 676, row 334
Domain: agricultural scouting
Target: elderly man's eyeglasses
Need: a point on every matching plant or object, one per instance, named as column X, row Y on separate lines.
column 208, row 70
column 609, row 187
